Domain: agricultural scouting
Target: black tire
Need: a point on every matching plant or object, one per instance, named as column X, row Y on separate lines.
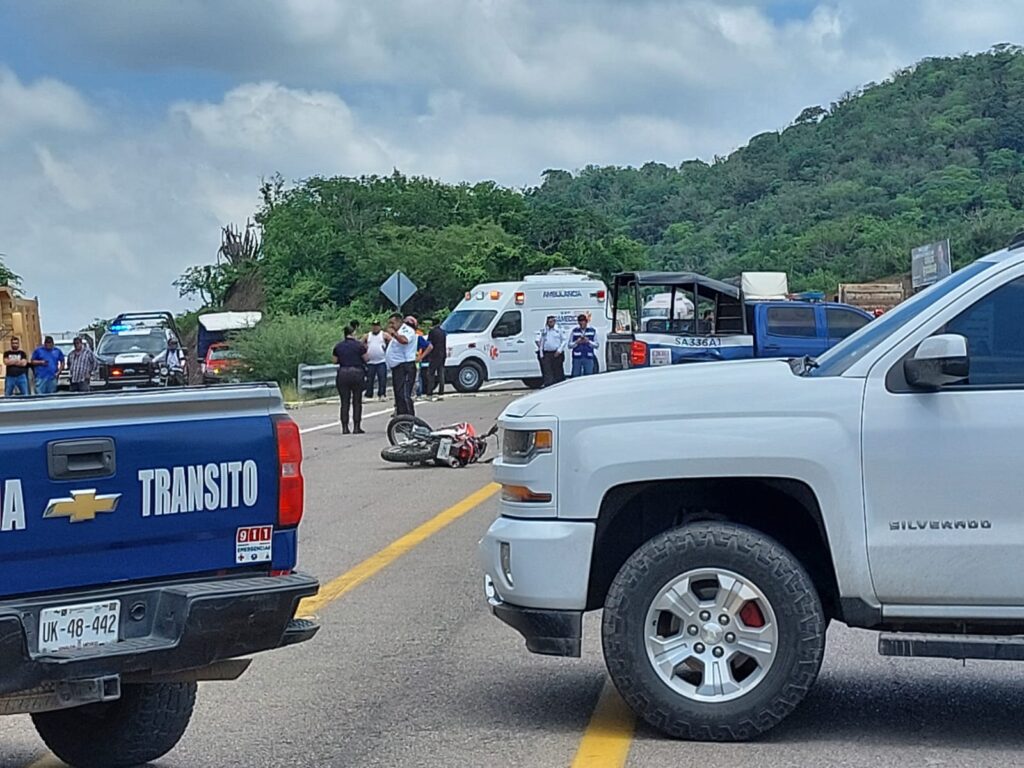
column 399, row 429
column 800, row 626
column 470, row 376
column 143, row 725
column 535, row 383
column 409, row 453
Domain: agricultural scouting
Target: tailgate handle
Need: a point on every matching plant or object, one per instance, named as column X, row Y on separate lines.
column 81, row 459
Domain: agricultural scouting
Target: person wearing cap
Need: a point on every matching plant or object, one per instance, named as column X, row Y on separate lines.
column 551, row 350
column 583, row 341
column 400, row 357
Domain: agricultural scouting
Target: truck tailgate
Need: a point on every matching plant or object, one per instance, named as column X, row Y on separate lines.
column 139, row 486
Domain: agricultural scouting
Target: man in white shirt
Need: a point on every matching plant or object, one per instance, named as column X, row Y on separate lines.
column 551, row 350
column 400, row 357
column 376, row 369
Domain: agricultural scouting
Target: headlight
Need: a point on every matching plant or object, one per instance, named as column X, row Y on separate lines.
column 520, row 445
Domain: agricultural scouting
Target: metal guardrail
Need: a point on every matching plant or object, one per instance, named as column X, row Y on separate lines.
column 312, row 378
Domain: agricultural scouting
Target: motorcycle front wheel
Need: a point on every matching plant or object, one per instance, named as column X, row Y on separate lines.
column 409, row 453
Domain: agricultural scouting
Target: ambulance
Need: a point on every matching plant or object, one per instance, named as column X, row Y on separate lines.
column 493, row 332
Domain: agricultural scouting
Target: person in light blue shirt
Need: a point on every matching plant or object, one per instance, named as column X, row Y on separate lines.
column 47, row 363
column 583, row 343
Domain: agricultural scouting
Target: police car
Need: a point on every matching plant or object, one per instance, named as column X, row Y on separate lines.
column 128, row 350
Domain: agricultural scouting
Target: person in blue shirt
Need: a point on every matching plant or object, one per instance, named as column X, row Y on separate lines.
column 47, row 363
column 583, row 343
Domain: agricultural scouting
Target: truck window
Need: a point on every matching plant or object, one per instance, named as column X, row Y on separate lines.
column 994, row 328
column 843, row 322
column 792, row 321
column 509, row 324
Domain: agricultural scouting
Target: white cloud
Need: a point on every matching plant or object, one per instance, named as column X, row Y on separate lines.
column 106, row 200
column 45, row 105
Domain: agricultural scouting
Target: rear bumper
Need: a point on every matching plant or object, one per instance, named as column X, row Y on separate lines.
column 165, row 628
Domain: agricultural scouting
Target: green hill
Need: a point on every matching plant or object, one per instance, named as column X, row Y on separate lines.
column 842, row 194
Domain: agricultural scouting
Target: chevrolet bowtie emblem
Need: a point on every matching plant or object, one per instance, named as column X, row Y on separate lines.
column 82, row 505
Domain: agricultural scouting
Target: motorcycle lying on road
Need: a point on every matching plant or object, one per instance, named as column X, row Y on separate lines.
column 413, row 441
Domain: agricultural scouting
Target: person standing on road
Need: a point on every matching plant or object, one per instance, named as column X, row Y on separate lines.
column 16, row 363
column 551, row 351
column 400, row 357
column 435, row 361
column 423, row 349
column 376, row 369
column 583, row 342
column 47, row 362
column 81, row 365
column 350, row 356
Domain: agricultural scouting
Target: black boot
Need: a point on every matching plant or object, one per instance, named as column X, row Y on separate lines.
column 344, row 429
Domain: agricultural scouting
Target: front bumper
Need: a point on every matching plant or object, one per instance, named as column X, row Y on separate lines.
column 552, row 633
column 537, row 574
column 165, row 629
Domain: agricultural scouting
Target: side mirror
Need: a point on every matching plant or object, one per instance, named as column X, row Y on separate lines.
column 938, row 361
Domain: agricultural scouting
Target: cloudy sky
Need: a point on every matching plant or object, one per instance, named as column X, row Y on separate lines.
column 131, row 131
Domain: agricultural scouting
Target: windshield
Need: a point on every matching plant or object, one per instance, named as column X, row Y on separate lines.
column 152, row 343
column 838, row 359
column 65, row 347
column 468, row 320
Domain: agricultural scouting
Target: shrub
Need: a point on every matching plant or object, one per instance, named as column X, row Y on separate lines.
column 274, row 348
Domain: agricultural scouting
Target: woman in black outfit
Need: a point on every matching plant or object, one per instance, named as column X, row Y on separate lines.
column 350, row 355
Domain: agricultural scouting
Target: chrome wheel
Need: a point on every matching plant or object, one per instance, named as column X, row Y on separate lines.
column 711, row 635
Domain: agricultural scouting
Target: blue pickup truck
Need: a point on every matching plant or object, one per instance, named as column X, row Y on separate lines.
column 149, row 542
column 664, row 318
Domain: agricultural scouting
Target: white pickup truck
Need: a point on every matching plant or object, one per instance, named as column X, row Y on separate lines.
column 722, row 515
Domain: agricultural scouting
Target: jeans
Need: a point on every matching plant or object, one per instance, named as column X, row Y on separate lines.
column 376, row 372
column 16, row 385
column 46, row 386
column 403, row 379
column 584, row 366
column 434, row 378
column 81, row 386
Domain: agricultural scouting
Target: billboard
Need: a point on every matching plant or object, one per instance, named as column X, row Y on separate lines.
column 929, row 264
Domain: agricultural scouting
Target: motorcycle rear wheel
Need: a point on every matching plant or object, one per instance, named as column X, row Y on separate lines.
column 400, row 428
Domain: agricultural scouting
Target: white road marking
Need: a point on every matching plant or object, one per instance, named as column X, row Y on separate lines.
column 419, row 404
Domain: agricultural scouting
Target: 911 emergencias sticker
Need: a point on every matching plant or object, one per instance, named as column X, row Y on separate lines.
column 254, row 544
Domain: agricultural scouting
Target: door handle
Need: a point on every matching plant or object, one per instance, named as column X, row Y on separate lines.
column 92, row 457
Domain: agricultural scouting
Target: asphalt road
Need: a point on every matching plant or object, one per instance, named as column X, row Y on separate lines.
column 411, row 669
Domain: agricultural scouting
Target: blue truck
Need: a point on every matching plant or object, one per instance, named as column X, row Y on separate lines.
column 149, row 541
column 665, row 318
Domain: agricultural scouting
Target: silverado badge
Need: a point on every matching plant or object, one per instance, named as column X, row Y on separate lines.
column 82, row 505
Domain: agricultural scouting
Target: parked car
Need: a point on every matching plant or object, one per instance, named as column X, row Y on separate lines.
column 223, row 365
column 127, row 351
column 168, row 559
column 722, row 515
column 683, row 317
column 492, row 333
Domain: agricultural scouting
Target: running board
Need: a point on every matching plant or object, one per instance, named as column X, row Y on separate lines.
column 990, row 647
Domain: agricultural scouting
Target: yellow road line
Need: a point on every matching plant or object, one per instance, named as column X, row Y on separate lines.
column 351, row 579
column 607, row 739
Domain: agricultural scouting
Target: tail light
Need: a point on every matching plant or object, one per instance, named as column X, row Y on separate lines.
column 290, row 485
column 600, row 295
column 638, row 354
